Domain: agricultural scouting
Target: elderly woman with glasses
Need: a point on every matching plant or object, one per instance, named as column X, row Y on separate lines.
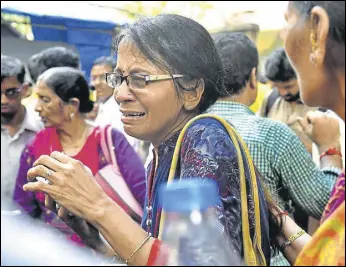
column 168, row 71
column 63, row 101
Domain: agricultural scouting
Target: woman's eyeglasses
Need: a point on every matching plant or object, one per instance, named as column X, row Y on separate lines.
column 12, row 93
column 136, row 81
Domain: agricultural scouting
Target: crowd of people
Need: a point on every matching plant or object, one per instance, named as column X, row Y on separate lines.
column 76, row 155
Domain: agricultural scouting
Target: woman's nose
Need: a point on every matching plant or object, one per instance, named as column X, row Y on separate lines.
column 38, row 107
column 123, row 94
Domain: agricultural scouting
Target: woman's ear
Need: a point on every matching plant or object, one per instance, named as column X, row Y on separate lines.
column 74, row 103
column 193, row 97
column 319, row 34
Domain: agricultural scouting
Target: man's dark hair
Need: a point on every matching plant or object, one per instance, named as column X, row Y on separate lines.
column 68, row 83
column 50, row 58
column 336, row 38
column 12, row 67
column 278, row 68
column 108, row 61
column 239, row 57
column 180, row 46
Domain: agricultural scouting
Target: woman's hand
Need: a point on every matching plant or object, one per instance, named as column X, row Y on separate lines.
column 72, row 185
column 323, row 129
column 289, row 228
column 87, row 232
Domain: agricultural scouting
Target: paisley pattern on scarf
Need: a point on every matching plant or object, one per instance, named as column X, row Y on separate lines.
column 207, row 152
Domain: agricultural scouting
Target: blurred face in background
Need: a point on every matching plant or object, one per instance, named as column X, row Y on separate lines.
column 50, row 107
column 98, row 81
column 12, row 92
column 288, row 90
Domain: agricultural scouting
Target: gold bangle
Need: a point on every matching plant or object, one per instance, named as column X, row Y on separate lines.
column 138, row 248
column 292, row 239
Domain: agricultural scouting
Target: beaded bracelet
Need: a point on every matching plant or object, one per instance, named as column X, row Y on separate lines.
column 291, row 240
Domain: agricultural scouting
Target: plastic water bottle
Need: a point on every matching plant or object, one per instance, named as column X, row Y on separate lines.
column 192, row 233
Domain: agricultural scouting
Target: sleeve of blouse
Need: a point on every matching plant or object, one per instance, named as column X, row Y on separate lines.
column 26, row 200
column 130, row 165
column 208, row 153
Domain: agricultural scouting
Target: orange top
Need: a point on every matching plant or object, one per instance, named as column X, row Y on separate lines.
column 327, row 247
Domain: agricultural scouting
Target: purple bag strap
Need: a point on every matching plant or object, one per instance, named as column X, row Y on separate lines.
column 108, row 148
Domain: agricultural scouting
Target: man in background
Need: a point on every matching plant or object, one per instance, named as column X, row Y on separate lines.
column 18, row 124
column 283, row 102
column 106, row 110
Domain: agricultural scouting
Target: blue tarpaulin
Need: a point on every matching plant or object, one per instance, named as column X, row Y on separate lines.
column 91, row 38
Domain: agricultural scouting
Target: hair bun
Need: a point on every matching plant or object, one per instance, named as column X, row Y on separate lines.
column 87, row 107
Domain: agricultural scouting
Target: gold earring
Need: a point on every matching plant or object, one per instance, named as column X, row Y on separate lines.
column 313, row 41
column 312, row 57
column 313, row 34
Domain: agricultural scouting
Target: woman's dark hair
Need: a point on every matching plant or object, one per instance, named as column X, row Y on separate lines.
column 275, row 222
column 180, row 46
column 68, row 83
column 336, row 13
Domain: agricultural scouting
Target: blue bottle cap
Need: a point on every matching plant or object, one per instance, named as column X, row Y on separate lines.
column 189, row 194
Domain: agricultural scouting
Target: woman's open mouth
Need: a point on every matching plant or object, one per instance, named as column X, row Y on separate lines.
column 132, row 116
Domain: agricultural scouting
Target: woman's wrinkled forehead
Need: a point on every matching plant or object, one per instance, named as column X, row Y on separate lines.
column 129, row 57
column 42, row 89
